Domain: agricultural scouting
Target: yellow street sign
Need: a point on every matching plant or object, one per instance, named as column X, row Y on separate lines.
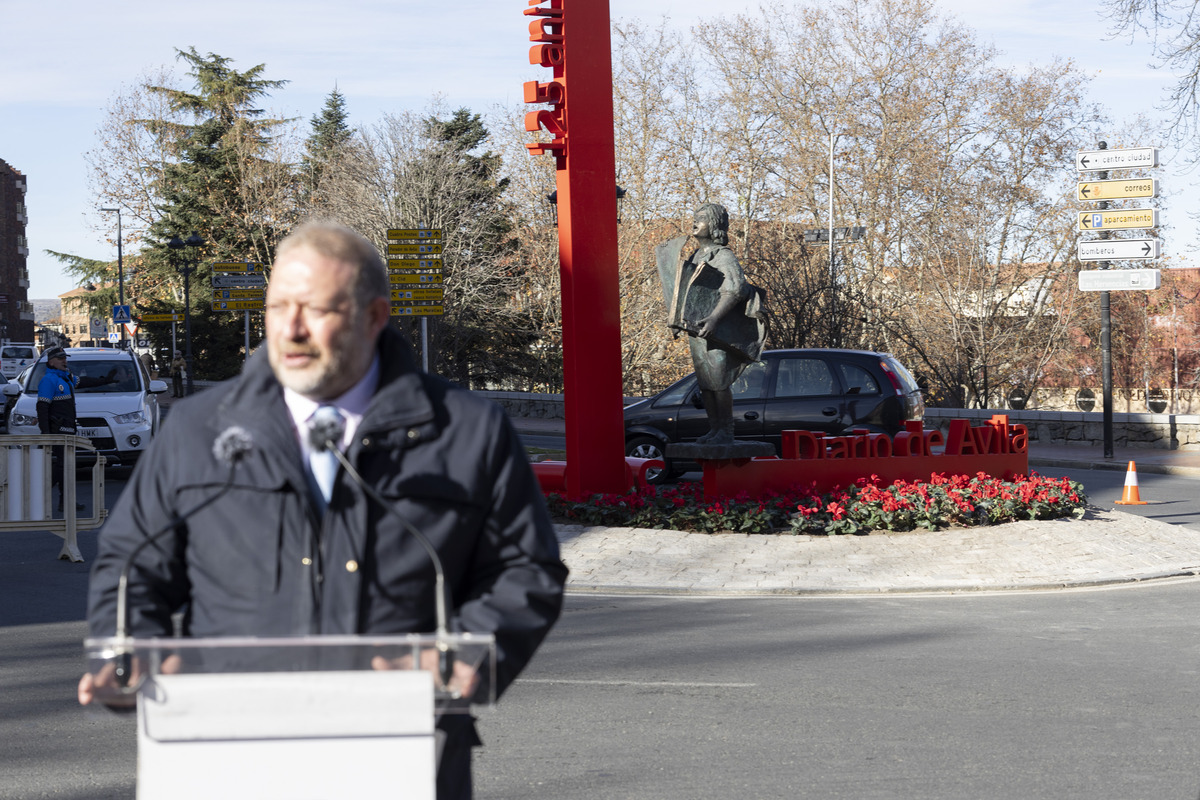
column 238, row 305
column 416, row 278
column 235, row 266
column 414, row 233
column 160, row 317
column 238, row 294
column 414, row 249
column 1117, row 220
column 432, row 293
column 1117, row 190
column 415, row 262
column 417, row 311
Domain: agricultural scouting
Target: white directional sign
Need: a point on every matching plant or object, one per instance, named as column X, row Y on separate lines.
column 1120, row 250
column 1117, row 280
column 1130, row 158
column 239, row 281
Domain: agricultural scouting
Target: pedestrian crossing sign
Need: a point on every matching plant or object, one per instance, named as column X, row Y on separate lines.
column 121, row 315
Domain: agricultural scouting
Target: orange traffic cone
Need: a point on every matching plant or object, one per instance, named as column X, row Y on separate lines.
column 1131, row 496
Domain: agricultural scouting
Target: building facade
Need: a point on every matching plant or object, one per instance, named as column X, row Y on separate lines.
column 16, row 312
column 76, row 321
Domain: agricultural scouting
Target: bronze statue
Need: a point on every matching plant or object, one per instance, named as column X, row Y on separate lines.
column 709, row 299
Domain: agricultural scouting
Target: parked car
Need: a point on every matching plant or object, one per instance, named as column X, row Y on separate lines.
column 15, row 356
column 817, row 390
column 120, row 418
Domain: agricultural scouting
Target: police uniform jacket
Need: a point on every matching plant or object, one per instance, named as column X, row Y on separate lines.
column 56, row 401
column 264, row 560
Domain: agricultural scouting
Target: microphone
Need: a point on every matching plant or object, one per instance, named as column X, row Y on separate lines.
column 326, row 428
column 231, row 446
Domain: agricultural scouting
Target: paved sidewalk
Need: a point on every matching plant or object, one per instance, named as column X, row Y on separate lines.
column 1104, row 548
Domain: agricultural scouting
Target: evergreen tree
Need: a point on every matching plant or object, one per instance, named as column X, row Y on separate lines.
column 330, row 134
column 223, row 186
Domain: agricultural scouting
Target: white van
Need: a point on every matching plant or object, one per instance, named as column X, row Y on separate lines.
column 16, row 356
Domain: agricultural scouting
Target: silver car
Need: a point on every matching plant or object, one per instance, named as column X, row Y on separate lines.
column 119, row 417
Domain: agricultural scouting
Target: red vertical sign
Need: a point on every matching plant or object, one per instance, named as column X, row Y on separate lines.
column 572, row 38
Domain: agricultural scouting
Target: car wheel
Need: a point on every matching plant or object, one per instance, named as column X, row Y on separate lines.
column 649, row 447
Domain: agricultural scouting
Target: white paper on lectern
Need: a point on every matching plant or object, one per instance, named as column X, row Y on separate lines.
column 287, row 736
column 288, row 705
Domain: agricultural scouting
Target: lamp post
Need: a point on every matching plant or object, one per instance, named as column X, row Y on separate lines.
column 186, row 270
column 120, row 271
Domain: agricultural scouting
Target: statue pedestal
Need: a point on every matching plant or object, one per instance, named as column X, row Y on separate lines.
column 691, row 451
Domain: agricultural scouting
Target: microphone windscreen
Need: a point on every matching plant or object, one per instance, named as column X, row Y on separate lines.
column 325, row 429
column 233, row 444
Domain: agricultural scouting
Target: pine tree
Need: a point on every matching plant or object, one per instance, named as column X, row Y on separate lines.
column 225, row 187
column 330, row 134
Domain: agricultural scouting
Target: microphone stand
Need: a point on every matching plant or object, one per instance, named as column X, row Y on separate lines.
column 124, row 663
column 441, row 634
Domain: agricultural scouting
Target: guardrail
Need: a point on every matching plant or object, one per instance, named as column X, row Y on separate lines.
column 25, row 492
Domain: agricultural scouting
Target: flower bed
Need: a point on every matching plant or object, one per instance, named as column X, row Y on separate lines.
column 866, row 506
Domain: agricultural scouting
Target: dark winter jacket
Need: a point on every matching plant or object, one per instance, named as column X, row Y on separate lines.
column 263, row 560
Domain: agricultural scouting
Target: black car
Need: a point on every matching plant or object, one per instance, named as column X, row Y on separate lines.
column 816, row 390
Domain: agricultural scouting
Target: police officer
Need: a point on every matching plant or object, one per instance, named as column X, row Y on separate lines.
column 56, row 407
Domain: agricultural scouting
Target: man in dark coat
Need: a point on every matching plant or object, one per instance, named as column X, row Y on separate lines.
column 274, row 557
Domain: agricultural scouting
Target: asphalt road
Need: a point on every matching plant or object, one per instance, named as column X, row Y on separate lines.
column 1047, row 695
column 1063, row 695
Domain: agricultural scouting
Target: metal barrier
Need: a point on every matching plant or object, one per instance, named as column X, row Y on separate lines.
column 25, row 492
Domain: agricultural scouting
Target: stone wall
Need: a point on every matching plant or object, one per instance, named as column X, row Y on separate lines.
column 1151, row 431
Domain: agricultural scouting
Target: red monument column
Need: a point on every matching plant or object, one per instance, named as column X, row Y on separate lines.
column 572, row 38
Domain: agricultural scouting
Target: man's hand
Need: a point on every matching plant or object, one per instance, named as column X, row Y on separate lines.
column 464, row 680
column 103, row 686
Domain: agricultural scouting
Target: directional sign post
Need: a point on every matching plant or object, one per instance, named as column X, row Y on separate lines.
column 1120, row 250
column 1104, row 221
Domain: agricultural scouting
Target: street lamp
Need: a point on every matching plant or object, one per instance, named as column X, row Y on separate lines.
column 186, row 270
column 120, row 271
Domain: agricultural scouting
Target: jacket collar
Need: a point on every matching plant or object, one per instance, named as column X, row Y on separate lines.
column 401, row 401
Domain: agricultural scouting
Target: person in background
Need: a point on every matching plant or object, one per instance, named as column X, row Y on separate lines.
column 283, row 554
column 178, row 366
column 148, row 363
column 56, row 408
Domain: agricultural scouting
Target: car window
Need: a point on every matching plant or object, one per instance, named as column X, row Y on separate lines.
column 17, row 352
column 857, row 379
column 93, row 376
column 752, row 381
column 677, row 393
column 906, row 379
column 804, row 377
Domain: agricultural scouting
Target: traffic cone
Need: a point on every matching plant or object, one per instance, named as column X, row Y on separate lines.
column 1131, row 496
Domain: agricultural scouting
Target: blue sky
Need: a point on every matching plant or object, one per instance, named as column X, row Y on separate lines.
column 64, row 60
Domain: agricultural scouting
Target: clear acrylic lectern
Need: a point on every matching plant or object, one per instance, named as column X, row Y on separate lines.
column 319, row 718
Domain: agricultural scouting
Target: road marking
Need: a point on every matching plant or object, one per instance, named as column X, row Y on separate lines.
column 673, row 684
